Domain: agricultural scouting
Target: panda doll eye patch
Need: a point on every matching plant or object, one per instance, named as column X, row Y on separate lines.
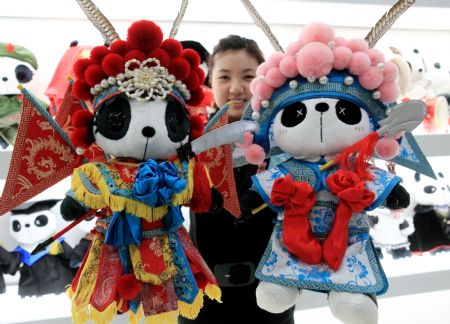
column 41, row 221
column 348, row 112
column 293, row 114
column 177, row 121
column 113, row 118
column 23, row 73
column 16, row 226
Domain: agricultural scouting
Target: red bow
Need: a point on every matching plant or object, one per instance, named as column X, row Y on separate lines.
column 353, row 197
column 297, row 198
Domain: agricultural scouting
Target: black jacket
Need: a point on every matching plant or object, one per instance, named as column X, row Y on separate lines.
column 221, row 239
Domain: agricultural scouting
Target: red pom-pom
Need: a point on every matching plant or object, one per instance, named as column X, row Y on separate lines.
column 197, row 126
column 201, row 74
column 81, row 90
column 93, row 74
column 193, row 81
column 192, row 57
column 119, row 47
column 98, row 53
column 81, row 137
column 180, row 68
column 172, row 47
column 196, row 97
column 161, row 55
column 129, row 287
column 135, row 54
column 82, row 118
column 113, row 64
column 144, row 35
column 80, row 66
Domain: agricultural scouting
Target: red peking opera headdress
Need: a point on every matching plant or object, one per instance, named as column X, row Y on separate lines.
column 143, row 67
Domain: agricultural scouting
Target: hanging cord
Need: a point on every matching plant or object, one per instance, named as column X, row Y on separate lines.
column 99, row 20
column 387, row 20
column 177, row 22
column 257, row 19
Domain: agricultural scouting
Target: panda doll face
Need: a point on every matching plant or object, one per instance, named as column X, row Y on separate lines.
column 431, row 192
column 141, row 130
column 29, row 229
column 12, row 73
column 314, row 128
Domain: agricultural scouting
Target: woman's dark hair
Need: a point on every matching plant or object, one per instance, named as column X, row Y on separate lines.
column 235, row 42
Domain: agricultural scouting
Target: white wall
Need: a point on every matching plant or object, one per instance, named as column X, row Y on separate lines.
column 47, row 27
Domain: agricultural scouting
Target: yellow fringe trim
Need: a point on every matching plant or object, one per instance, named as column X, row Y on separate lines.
column 104, row 317
column 185, row 196
column 213, row 292
column 191, row 310
column 80, row 315
column 118, row 203
column 134, row 318
column 88, row 276
column 164, row 318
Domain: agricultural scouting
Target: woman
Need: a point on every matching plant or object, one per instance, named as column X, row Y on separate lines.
column 232, row 246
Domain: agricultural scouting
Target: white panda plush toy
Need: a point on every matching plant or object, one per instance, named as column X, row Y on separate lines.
column 17, row 66
column 139, row 89
column 430, row 215
column 321, row 99
column 47, row 272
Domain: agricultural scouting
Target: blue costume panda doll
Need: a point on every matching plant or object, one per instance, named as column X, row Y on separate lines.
column 319, row 104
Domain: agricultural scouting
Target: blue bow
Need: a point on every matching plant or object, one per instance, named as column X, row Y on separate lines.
column 155, row 183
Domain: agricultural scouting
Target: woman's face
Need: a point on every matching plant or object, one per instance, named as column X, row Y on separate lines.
column 232, row 72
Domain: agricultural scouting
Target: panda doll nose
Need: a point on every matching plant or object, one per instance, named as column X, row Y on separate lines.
column 27, row 225
column 322, row 107
column 148, row 131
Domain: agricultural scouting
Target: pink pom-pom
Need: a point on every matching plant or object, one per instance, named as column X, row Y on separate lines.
column 341, row 41
column 342, row 57
column 288, row 66
column 390, row 72
column 293, row 48
column 387, row 148
column 274, row 77
column 256, row 103
column 358, row 45
column 389, row 92
column 253, row 85
column 359, row 63
column 247, row 141
column 263, row 90
column 262, row 69
column 371, row 79
column 274, row 59
column 314, row 59
column 254, row 154
column 317, row 32
column 376, row 56
column 399, row 134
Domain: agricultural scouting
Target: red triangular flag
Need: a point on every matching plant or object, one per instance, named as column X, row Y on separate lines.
column 219, row 162
column 42, row 156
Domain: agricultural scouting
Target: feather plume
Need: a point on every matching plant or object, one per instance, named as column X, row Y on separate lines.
column 177, row 22
column 387, row 20
column 257, row 19
column 99, row 20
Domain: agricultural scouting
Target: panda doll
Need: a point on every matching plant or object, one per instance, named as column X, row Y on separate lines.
column 47, row 272
column 319, row 102
column 141, row 259
column 432, row 198
column 17, row 66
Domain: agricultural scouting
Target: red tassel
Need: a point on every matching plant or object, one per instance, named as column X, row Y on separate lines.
column 364, row 149
column 201, row 197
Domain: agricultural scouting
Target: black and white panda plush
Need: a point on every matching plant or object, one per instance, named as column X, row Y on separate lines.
column 17, row 66
column 139, row 89
column 430, row 214
column 47, row 272
column 316, row 102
